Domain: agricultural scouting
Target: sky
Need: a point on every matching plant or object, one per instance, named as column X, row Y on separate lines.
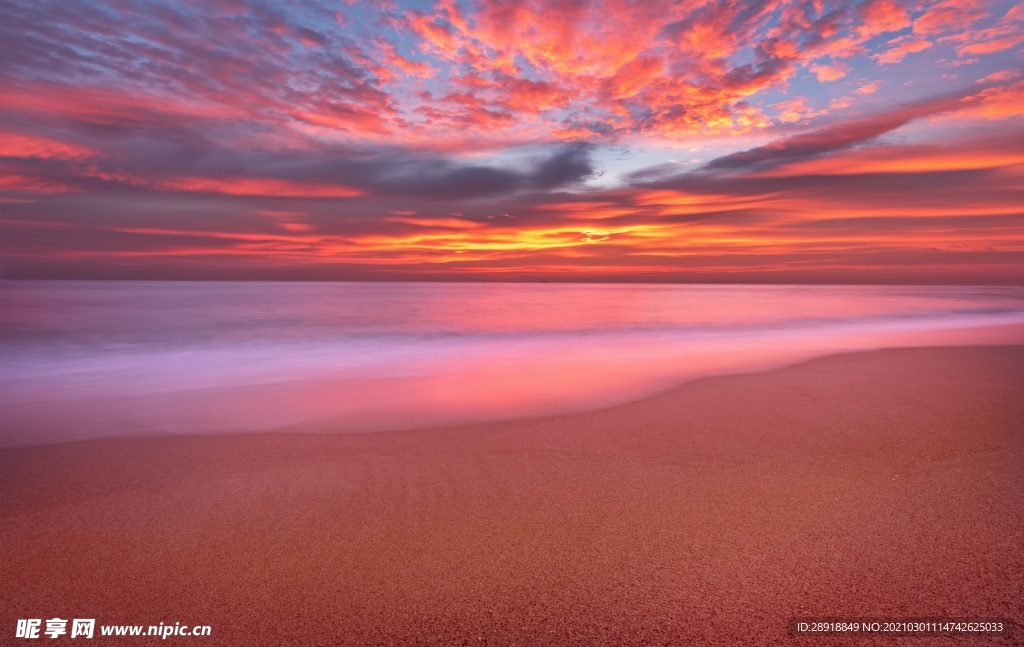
column 765, row 141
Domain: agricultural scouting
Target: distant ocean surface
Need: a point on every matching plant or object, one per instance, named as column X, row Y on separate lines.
column 90, row 359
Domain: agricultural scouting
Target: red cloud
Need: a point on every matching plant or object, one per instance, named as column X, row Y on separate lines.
column 260, row 187
column 22, row 145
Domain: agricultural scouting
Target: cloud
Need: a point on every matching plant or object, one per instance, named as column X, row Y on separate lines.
column 949, row 15
column 1001, row 76
column 869, row 88
column 831, row 72
column 568, row 166
column 391, row 174
column 501, row 74
column 831, row 138
column 250, row 139
column 154, row 152
column 901, row 47
column 858, row 214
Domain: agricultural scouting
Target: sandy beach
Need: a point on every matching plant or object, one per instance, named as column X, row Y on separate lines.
column 885, row 483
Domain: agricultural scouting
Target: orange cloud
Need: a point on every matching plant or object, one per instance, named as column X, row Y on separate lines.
column 996, row 103
column 794, row 110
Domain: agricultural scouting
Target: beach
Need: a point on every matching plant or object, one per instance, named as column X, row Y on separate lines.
column 881, row 483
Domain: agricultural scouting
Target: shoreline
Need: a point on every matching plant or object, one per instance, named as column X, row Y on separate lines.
column 476, row 394
column 878, row 483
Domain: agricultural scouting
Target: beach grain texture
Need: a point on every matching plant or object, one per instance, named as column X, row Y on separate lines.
column 886, row 483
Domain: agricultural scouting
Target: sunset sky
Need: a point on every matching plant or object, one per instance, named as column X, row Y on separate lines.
column 747, row 141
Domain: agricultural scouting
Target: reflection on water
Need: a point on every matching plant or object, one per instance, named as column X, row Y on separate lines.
column 91, row 359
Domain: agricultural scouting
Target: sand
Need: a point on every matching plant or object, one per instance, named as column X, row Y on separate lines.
column 885, row 483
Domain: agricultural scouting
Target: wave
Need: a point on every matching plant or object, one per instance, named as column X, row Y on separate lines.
column 93, row 381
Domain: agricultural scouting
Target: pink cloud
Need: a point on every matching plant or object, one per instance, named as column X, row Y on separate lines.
column 832, row 72
column 901, row 48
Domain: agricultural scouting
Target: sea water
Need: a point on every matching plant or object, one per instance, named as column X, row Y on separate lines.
column 88, row 359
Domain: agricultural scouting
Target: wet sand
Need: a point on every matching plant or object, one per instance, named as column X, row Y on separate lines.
column 885, row 483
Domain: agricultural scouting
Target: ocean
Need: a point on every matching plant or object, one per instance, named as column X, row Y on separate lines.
column 91, row 359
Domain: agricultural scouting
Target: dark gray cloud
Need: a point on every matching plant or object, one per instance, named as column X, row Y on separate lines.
column 569, row 165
